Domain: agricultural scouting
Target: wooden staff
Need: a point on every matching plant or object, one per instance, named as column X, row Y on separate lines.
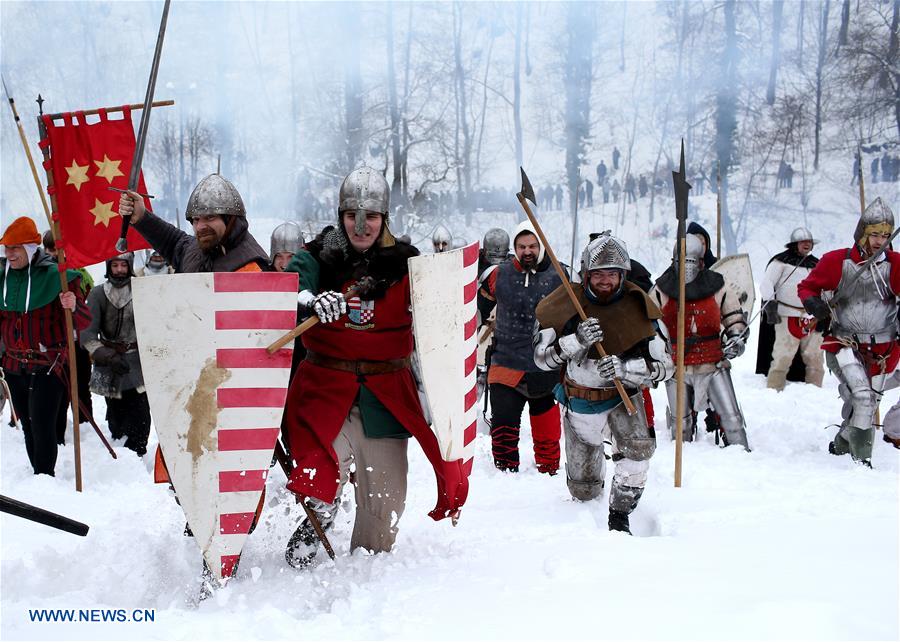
column 862, row 210
column 682, row 189
column 115, row 110
column 528, row 193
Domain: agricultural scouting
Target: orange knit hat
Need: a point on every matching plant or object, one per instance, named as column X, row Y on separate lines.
column 20, row 232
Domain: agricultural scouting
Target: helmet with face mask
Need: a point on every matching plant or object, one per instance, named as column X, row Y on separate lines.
column 442, row 239
column 495, row 245
column 120, row 281
column 693, row 257
column 154, row 263
column 877, row 218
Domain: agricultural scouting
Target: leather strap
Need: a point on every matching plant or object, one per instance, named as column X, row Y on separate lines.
column 589, row 394
column 358, row 367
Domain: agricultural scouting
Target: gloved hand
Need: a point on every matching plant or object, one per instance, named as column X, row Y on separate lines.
column 770, row 309
column 589, row 332
column 329, row 306
column 106, row 356
column 733, row 347
column 611, row 367
column 817, row 307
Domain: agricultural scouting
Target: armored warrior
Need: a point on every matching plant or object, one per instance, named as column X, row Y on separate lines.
column 286, row 241
column 494, row 250
column 855, row 289
column 111, row 340
column 715, row 331
column 514, row 379
column 354, row 399
column 442, row 239
column 154, row 264
column 629, row 326
column 793, row 327
column 221, row 243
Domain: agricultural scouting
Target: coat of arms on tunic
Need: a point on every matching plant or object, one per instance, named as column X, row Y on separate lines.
column 360, row 312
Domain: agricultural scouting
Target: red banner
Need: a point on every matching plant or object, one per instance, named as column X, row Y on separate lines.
column 86, row 160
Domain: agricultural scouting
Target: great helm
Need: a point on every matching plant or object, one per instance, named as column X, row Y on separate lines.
column 215, row 195
column 877, row 217
column 801, row 234
column 287, row 237
column 442, row 239
column 496, row 245
column 693, row 256
column 364, row 189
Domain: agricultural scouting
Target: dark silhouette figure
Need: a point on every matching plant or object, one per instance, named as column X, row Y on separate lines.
column 589, row 191
column 616, row 155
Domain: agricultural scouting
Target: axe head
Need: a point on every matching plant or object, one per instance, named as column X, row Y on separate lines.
column 527, row 191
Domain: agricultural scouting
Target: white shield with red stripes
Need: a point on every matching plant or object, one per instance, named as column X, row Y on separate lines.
column 444, row 309
column 216, row 396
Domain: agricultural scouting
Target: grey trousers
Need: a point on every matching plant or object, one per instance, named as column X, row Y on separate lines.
column 379, row 480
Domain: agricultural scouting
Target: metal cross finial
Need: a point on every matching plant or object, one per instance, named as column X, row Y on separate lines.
column 40, row 102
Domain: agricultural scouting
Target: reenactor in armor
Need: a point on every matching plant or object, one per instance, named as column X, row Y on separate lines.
column 494, row 250
column 715, row 332
column 354, row 400
column 287, row 240
column 111, row 340
column 788, row 326
column 442, row 239
column 515, row 288
column 629, row 325
column 154, row 264
column 855, row 289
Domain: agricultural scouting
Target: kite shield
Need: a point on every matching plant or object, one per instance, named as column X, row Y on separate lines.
column 216, row 395
column 738, row 277
column 444, row 311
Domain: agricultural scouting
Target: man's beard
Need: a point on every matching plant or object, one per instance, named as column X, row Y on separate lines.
column 208, row 241
column 529, row 262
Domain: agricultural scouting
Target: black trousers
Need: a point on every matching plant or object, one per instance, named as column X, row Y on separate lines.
column 130, row 417
column 38, row 400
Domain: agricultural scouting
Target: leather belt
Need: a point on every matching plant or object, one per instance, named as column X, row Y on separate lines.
column 589, row 394
column 358, row 367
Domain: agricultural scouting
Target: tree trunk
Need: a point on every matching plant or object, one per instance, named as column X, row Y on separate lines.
column 463, row 148
column 845, row 23
column 353, row 100
column 820, row 65
column 517, row 88
column 578, row 73
column 726, row 118
column 396, row 182
column 800, row 28
column 777, row 11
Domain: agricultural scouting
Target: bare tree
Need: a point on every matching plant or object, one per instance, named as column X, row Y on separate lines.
column 777, row 11
column 577, row 76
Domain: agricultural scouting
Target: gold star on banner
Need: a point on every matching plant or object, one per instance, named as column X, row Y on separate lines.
column 108, row 169
column 77, row 175
column 103, row 212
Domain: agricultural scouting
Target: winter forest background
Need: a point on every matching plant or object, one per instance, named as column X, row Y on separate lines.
column 450, row 98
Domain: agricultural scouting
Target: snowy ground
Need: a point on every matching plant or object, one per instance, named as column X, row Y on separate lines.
column 783, row 542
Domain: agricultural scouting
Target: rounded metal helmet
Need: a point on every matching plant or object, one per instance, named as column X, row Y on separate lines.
column 801, row 234
column 605, row 252
column 877, row 217
column 128, row 257
column 364, row 189
column 287, row 237
column 694, row 252
column 442, row 239
column 495, row 245
column 215, row 195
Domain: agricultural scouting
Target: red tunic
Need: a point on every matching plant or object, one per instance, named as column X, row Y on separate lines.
column 320, row 398
column 702, row 321
column 827, row 276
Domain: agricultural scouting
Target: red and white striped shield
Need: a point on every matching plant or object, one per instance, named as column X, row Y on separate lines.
column 216, row 396
column 444, row 309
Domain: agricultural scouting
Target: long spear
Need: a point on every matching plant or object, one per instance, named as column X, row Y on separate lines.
column 138, row 158
column 862, row 210
column 524, row 195
column 64, row 287
column 682, row 188
column 718, row 210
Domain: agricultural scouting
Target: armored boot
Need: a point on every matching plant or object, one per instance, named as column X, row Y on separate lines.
column 861, row 441
column 618, row 521
column 304, row 543
column 839, row 445
column 622, row 501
